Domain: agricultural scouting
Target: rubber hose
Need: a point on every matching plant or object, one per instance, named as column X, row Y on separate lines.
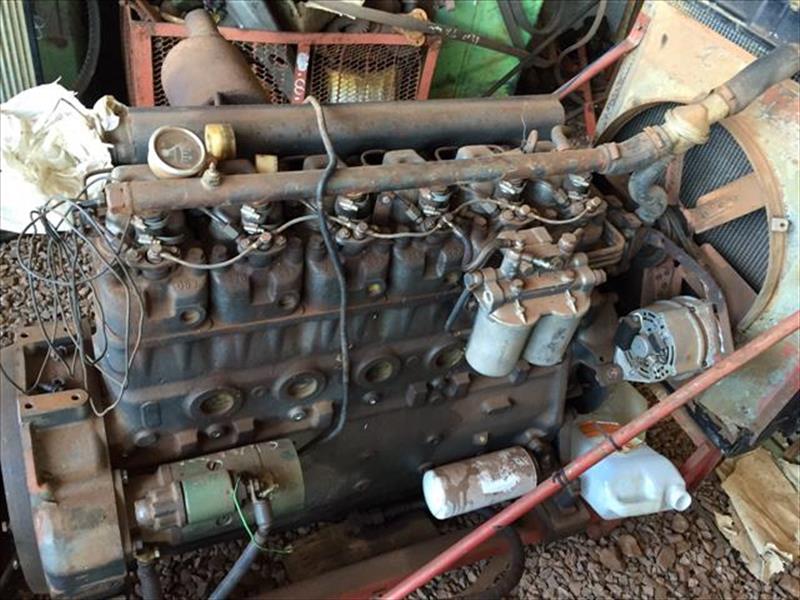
column 241, row 566
column 761, row 74
column 524, row 23
column 89, row 65
column 650, row 197
column 149, row 583
column 513, row 574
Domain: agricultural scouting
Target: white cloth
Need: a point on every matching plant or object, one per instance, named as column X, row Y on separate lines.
column 48, row 142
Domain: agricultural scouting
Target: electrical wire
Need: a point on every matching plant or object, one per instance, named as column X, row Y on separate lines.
column 53, row 258
column 598, row 19
column 333, row 255
column 246, row 525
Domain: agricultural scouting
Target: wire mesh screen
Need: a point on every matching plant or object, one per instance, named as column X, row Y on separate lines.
column 365, row 72
column 273, row 64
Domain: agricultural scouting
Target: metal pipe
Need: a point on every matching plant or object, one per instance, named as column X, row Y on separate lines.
column 138, row 197
column 292, row 130
column 585, row 461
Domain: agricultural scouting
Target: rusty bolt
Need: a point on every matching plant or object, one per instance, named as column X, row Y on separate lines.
column 613, row 374
column 567, row 243
column 133, row 255
column 593, row 204
column 211, row 177
column 361, row 230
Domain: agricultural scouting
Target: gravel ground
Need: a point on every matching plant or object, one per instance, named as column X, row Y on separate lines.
column 658, row 556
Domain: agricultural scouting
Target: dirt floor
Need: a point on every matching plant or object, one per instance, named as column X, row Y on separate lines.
column 660, row 556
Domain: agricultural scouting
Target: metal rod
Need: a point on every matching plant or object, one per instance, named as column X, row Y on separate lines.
column 409, row 23
column 585, row 461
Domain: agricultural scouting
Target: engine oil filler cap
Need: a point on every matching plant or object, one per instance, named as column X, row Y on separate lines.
column 175, row 152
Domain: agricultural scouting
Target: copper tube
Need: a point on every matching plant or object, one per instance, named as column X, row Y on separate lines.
column 585, row 461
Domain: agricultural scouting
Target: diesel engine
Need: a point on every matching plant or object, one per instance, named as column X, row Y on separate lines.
column 287, row 311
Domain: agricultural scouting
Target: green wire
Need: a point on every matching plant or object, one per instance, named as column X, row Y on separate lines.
column 246, row 526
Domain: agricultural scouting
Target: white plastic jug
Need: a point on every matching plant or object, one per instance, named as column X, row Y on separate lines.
column 627, row 484
column 632, row 482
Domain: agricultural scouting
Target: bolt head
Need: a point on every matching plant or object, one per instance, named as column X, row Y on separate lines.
column 298, row 413
column 371, row 398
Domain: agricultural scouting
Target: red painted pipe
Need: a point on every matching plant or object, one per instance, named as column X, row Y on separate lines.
column 585, row 461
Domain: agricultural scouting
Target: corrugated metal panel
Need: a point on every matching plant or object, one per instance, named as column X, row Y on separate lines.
column 744, row 242
column 16, row 63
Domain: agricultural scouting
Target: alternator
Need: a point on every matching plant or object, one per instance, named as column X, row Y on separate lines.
column 669, row 338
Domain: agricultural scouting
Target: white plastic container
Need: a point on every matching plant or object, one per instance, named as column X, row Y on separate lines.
column 632, row 482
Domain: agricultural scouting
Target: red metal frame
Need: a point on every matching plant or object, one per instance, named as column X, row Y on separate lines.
column 588, row 71
column 137, row 36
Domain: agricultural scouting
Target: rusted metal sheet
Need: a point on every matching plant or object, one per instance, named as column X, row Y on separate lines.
column 738, row 293
column 738, row 198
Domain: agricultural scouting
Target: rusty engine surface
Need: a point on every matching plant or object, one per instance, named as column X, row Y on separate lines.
column 265, row 327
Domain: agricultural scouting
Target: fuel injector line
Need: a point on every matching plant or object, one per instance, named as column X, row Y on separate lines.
column 582, row 463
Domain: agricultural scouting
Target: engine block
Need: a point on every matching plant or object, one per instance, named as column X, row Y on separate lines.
column 283, row 338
